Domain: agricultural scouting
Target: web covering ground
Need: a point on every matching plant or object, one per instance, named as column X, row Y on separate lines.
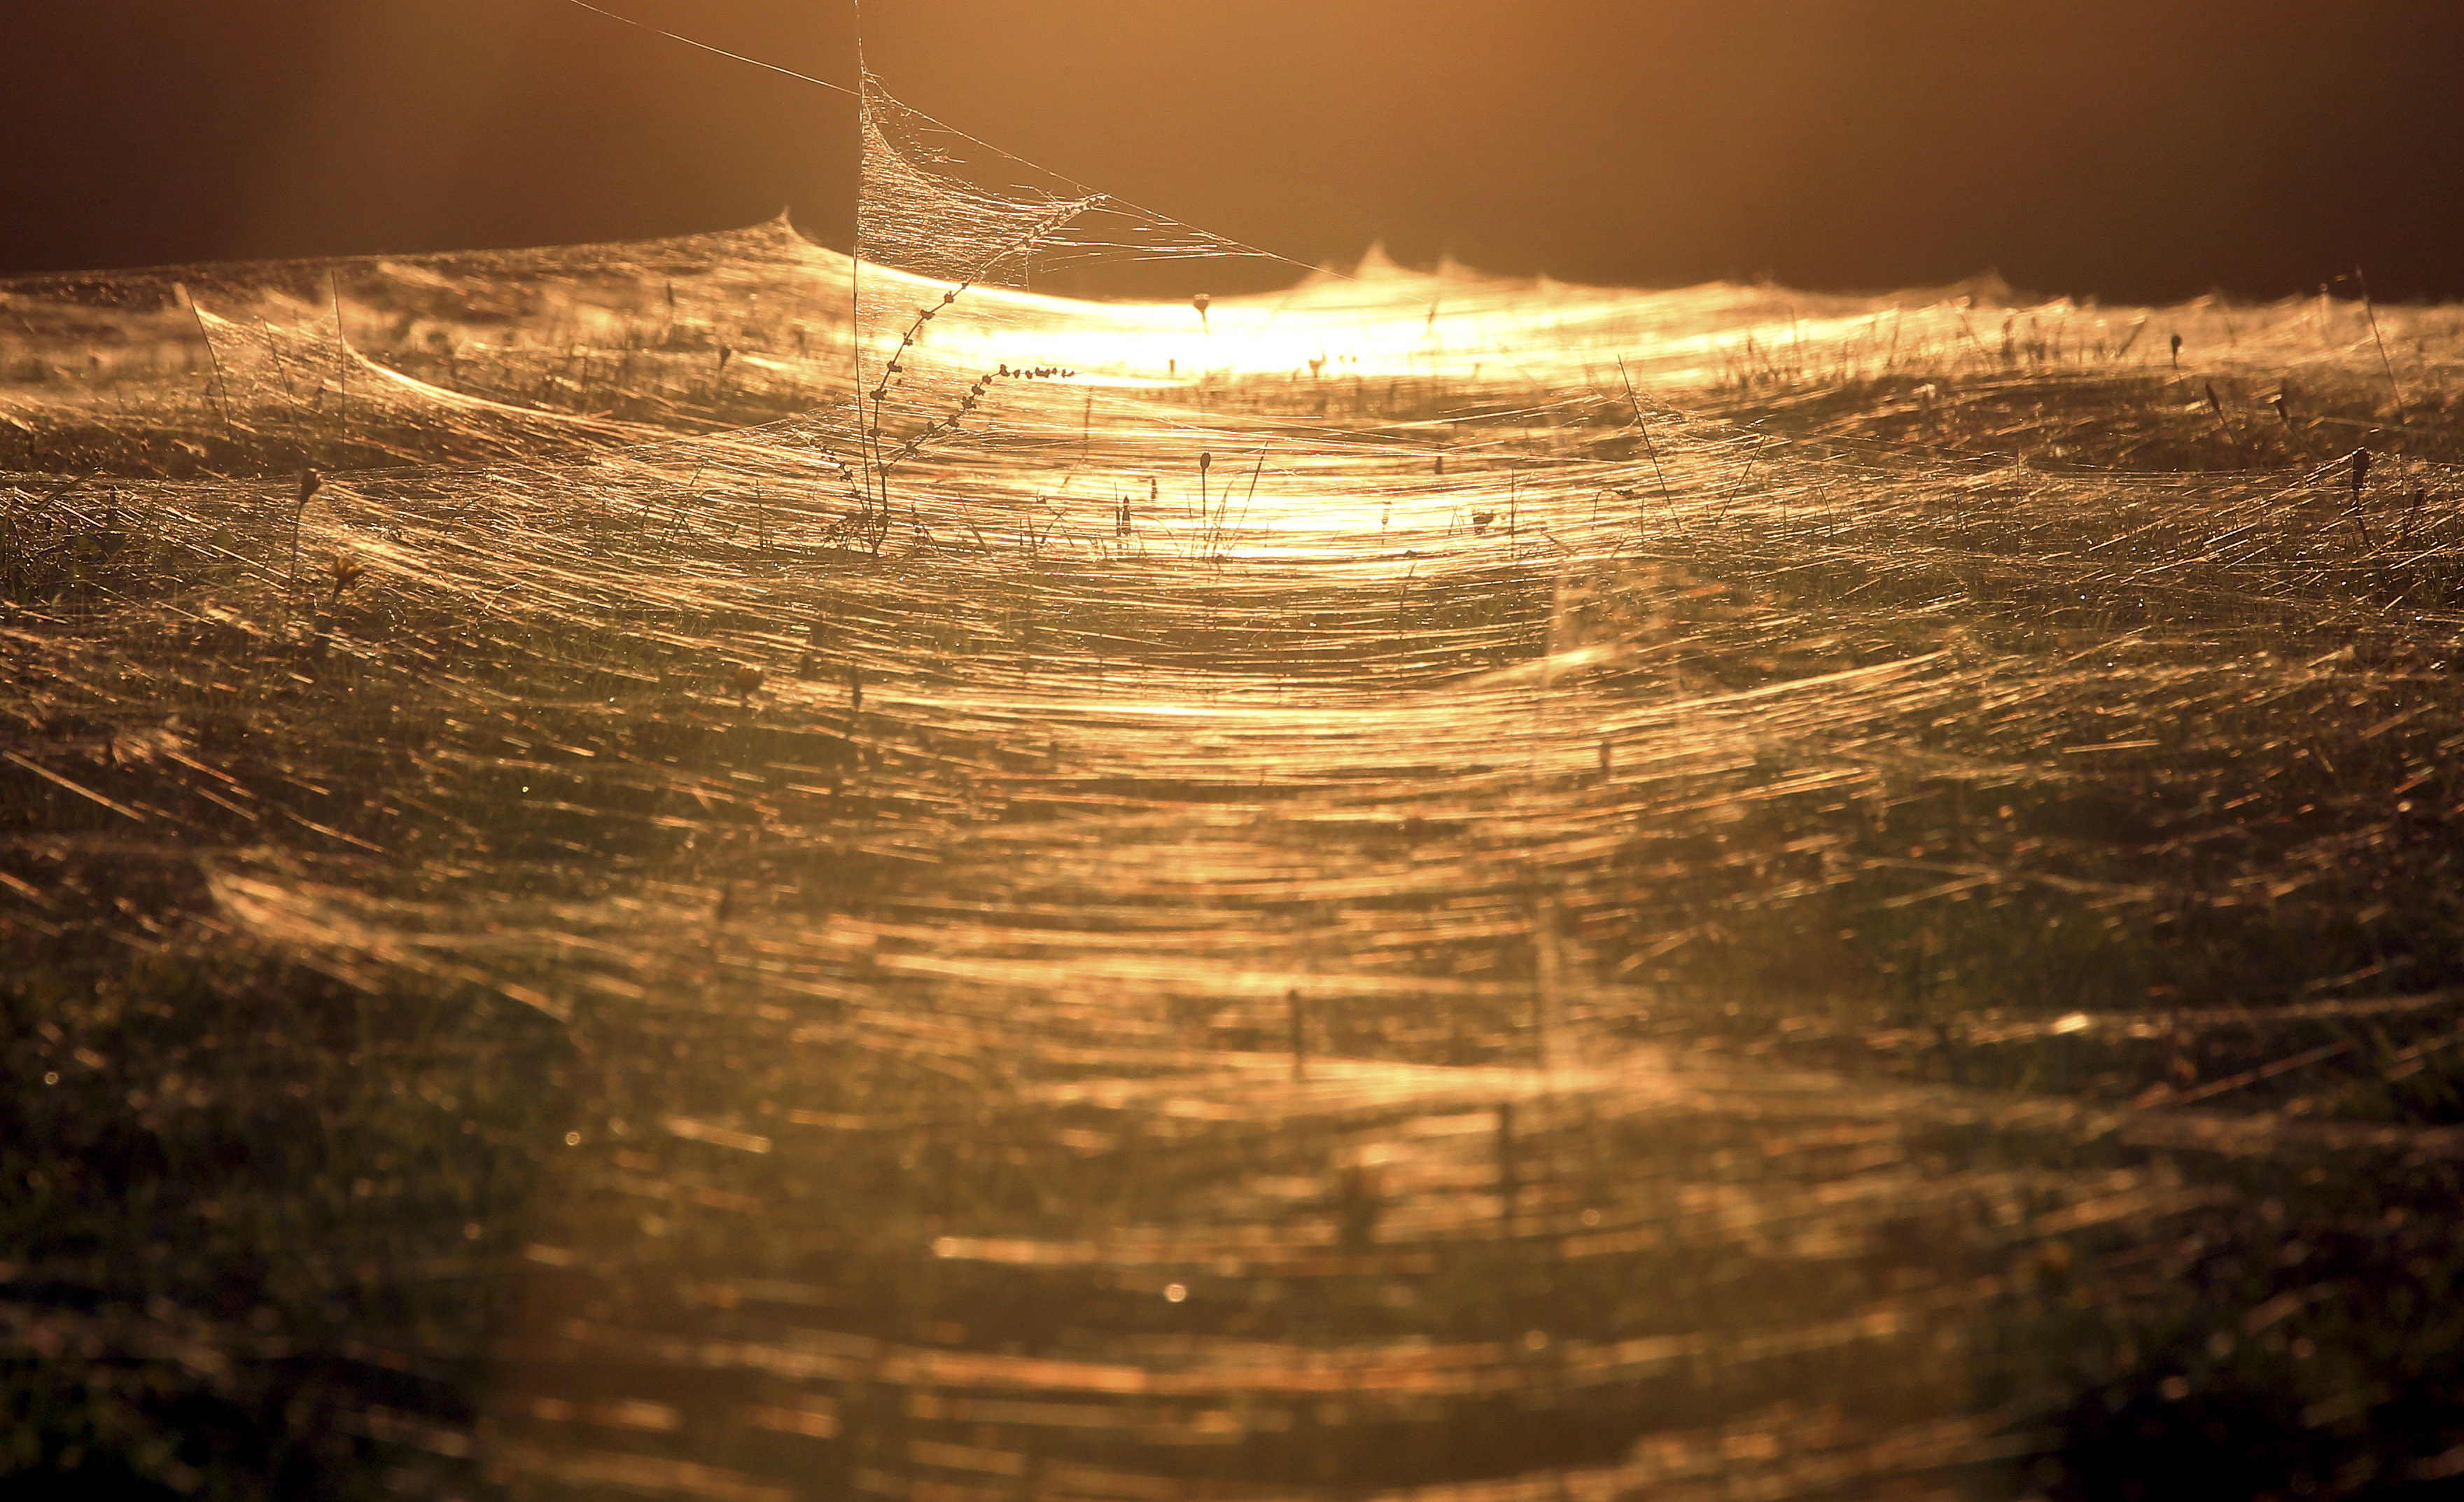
column 1424, row 887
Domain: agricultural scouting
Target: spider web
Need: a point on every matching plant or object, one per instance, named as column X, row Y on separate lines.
column 1424, row 856
column 949, row 231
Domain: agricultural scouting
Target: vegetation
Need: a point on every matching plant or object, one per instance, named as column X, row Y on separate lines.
column 1866, row 907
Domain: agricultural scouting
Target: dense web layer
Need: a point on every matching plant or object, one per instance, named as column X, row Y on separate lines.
column 1426, row 886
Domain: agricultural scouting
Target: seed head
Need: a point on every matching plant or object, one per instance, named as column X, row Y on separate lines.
column 345, row 570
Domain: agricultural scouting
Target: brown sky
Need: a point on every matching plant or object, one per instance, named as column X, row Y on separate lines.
column 2095, row 147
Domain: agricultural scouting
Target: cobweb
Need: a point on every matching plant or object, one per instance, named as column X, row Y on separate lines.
column 944, row 227
column 1428, row 886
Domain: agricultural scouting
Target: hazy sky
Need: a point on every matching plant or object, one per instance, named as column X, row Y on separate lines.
column 2129, row 151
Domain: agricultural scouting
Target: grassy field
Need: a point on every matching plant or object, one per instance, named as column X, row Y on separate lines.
column 1429, row 888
